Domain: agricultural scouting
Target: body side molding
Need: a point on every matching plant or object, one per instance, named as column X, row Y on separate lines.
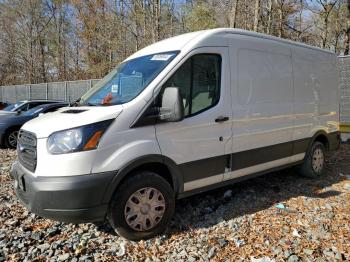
column 233, row 181
column 241, row 172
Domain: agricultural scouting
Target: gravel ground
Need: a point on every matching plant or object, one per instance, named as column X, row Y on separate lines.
column 345, row 137
column 277, row 217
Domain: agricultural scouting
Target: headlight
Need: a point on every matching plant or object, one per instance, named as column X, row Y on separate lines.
column 77, row 139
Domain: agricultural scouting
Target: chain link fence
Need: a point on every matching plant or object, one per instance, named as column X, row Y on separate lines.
column 344, row 88
column 63, row 91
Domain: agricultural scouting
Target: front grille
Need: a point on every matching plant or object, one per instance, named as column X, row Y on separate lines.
column 26, row 149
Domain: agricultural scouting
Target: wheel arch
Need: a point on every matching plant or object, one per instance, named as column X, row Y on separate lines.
column 320, row 136
column 159, row 164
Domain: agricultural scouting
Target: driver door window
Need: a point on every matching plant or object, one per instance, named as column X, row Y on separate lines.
column 199, row 82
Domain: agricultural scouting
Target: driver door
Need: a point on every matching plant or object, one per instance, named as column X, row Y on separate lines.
column 201, row 143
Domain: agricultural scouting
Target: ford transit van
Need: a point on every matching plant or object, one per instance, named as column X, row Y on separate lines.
column 182, row 116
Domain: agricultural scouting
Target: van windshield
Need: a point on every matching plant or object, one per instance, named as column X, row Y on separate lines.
column 127, row 81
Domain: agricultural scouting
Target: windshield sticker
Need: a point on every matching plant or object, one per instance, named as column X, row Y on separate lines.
column 115, row 88
column 161, row 57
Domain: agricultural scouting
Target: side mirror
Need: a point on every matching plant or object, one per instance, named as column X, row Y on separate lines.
column 19, row 112
column 172, row 109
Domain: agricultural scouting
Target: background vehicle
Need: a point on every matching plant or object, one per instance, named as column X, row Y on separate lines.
column 3, row 105
column 179, row 117
column 10, row 124
column 23, row 106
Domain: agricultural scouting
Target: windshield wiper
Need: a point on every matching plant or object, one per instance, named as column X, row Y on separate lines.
column 75, row 103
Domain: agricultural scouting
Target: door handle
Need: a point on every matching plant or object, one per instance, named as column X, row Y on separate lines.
column 222, row 119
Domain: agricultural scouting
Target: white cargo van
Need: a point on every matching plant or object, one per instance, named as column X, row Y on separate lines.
column 179, row 117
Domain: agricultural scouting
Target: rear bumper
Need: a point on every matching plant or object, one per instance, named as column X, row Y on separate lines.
column 73, row 199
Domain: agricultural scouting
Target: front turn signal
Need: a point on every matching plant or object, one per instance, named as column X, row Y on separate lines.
column 94, row 140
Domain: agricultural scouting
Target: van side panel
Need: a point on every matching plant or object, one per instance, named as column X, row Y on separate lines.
column 263, row 94
column 316, row 105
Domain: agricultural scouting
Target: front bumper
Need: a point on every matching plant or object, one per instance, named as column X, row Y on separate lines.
column 73, row 199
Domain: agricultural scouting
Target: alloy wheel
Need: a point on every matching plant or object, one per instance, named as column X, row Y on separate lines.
column 12, row 139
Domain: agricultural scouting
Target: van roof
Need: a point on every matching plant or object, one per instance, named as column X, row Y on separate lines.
column 180, row 41
column 169, row 44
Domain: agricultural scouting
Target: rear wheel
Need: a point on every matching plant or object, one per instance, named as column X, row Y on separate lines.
column 142, row 206
column 11, row 139
column 314, row 161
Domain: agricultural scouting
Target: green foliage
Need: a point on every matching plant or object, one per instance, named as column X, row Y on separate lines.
column 200, row 17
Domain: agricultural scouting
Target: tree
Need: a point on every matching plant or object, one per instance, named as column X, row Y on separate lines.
column 256, row 15
column 347, row 30
column 201, row 17
column 54, row 40
column 233, row 13
column 323, row 9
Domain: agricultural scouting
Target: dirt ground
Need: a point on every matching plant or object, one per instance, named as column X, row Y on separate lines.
column 280, row 216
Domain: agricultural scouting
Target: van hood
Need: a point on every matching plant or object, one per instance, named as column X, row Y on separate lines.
column 70, row 117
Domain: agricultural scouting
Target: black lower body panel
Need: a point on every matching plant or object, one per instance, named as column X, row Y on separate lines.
column 334, row 140
column 69, row 199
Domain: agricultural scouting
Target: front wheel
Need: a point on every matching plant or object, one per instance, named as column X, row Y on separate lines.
column 314, row 161
column 11, row 139
column 142, row 206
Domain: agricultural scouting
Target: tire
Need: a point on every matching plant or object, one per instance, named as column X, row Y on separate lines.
column 126, row 208
column 314, row 162
column 11, row 138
